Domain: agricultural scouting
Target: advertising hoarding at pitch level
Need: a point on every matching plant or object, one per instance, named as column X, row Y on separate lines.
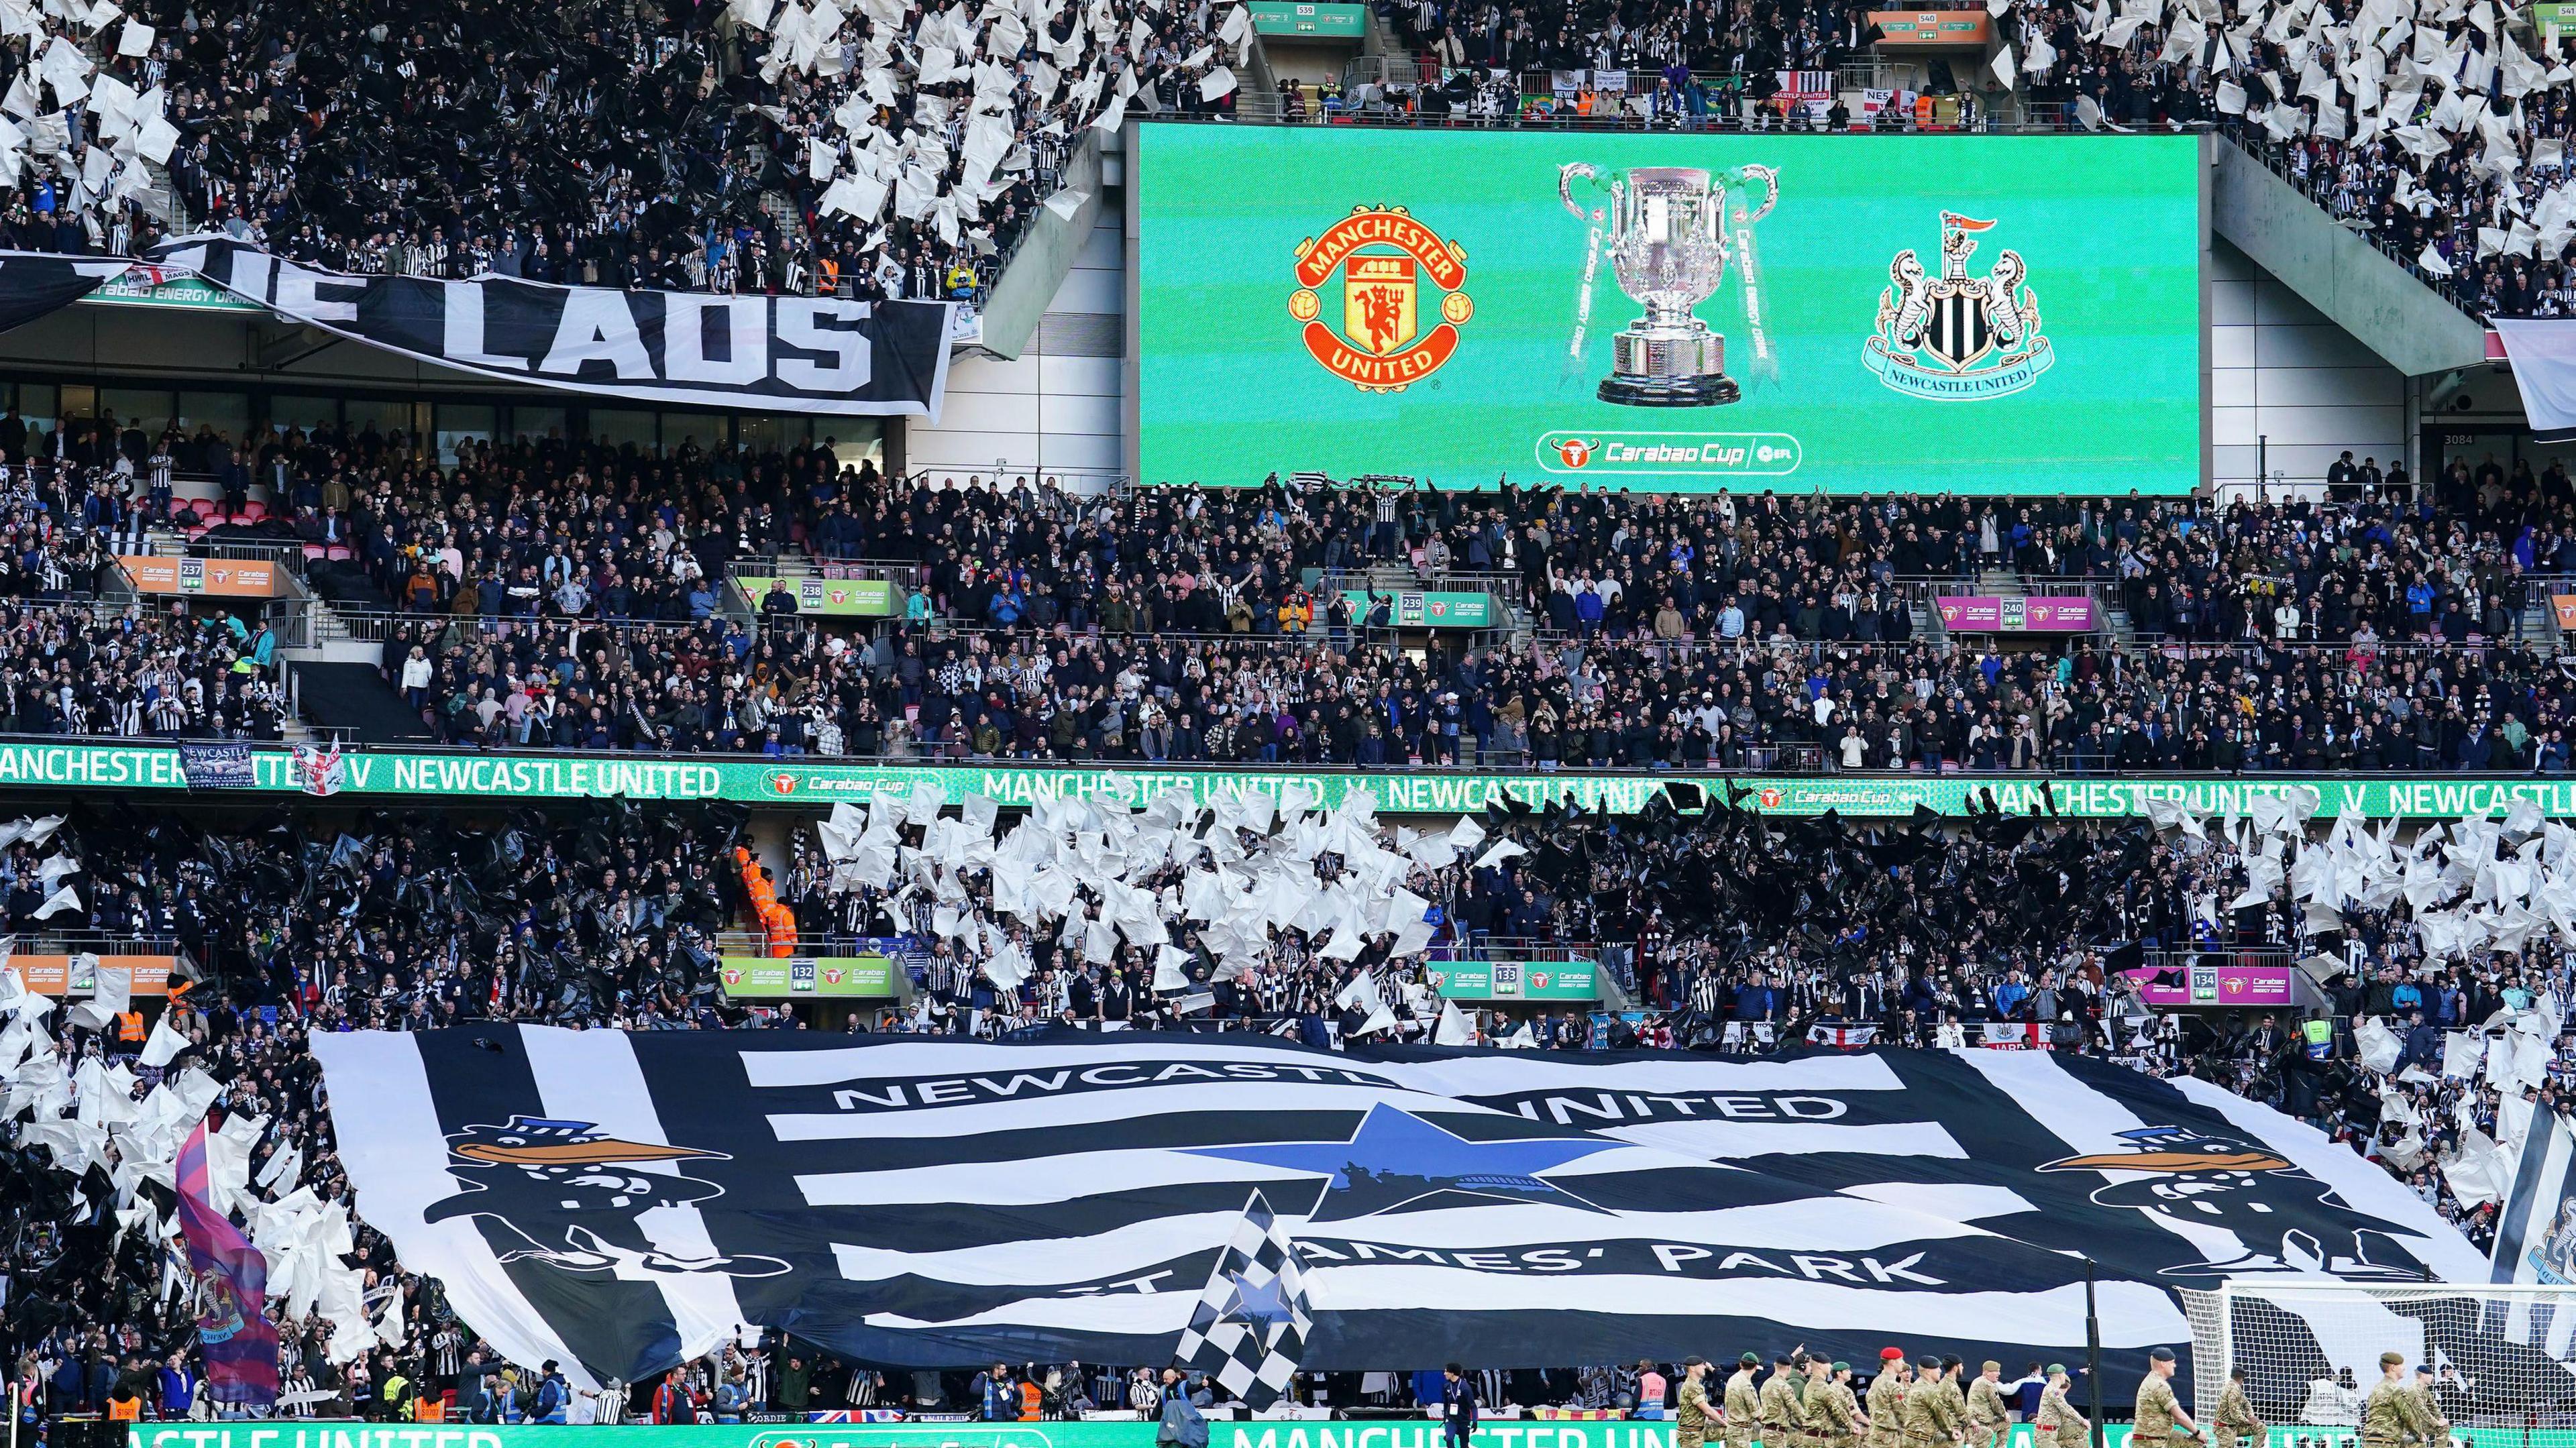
column 880, row 1428
column 1671, row 311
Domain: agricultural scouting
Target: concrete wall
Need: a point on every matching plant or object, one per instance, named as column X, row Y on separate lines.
column 2404, row 321
column 1057, row 409
column 2279, row 370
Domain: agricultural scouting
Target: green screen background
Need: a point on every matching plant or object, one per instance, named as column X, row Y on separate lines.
column 2109, row 227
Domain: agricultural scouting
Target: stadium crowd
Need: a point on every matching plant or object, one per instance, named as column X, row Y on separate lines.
column 1725, row 933
column 687, row 147
column 546, row 593
column 1238, row 626
column 1730, row 933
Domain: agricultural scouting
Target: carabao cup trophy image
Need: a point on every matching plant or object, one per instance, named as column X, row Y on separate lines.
column 1667, row 231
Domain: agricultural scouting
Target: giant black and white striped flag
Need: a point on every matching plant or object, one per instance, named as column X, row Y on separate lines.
column 620, row 1201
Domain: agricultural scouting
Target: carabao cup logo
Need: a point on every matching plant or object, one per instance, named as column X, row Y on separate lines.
column 1395, row 275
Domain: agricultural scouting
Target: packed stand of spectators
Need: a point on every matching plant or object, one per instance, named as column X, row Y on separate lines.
column 1740, row 38
column 1204, row 625
column 575, row 595
column 687, row 146
column 2437, row 131
column 1729, row 932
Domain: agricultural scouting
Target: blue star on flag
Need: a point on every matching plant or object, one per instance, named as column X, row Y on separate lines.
column 1396, row 1160
column 1262, row 1304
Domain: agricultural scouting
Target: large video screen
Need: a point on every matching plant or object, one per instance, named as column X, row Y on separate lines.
column 1682, row 312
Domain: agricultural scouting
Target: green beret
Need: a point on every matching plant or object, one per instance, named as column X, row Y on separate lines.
column 2055, row 1369
column 1751, row 1360
column 1842, row 1367
column 2391, row 1359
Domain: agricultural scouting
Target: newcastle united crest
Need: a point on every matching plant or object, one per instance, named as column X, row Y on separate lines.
column 1399, row 305
column 1958, row 338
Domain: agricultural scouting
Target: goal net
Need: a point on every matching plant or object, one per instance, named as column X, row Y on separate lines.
column 2503, row 1356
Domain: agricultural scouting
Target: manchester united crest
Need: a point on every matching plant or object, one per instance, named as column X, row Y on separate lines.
column 1395, row 316
column 1956, row 337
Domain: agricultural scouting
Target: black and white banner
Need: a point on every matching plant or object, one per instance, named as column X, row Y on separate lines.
column 2536, row 1231
column 225, row 765
column 622, row 1201
column 36, row 284
column 756, row 353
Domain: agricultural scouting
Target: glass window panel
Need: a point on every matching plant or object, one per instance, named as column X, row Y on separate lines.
column 389, row 419
column 145, row 409
column 536, row 424
column 306, row 413
column 620, row 428
column 39, row 403
column 460, row 424
column 854, row 440
column 706, row 430
column 228, row 413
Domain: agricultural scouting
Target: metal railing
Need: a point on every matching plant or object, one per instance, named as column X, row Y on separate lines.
column 286, row 553
column 907, row 576
column 2063, row 585
column 1392, row 104
column 2319, row 186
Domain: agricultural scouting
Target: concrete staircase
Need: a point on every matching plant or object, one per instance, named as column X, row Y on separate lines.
column 1046, row 251
column 2335, row 269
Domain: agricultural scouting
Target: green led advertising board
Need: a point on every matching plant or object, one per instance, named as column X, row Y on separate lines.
column 1969, row 314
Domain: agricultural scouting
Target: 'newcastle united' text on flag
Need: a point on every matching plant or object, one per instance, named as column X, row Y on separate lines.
column 620, row 1201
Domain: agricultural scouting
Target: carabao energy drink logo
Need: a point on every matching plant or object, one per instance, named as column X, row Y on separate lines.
column 1395, row 274
column 1667, row 454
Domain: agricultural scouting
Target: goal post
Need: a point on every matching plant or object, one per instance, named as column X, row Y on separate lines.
column 2503, row 1355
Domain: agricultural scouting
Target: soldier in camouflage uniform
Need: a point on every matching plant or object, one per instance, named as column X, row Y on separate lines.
column 2160, row 1419
column 2424, row 1394
column 1989, row 1420
column 2394, row 1414
column 1743, row 1405
column 1692, row 1414
column 1955, row 1392
column 1799, row 1437
column 1833, row 1414
column 1887, row 1399
column 1781, row 1417
column 1933, row 1416
column 2059, row 1425
column 2235, row 1422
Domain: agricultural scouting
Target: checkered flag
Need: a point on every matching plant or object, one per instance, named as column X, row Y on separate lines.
column 1250, row 1325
